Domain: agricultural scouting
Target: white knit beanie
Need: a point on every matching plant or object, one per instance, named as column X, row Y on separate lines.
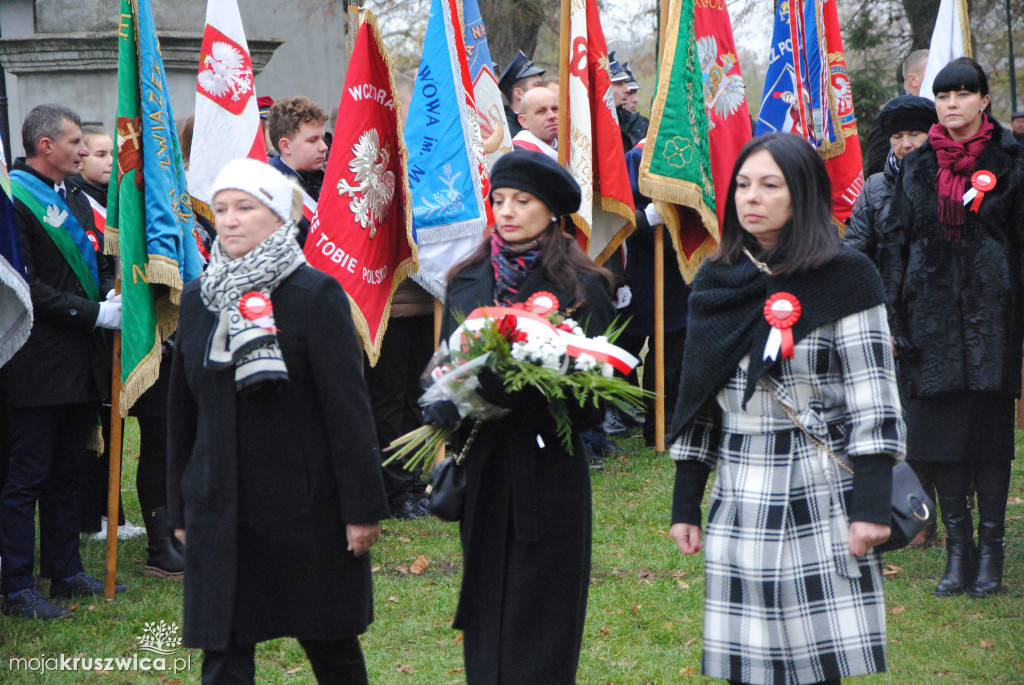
column 259, row 179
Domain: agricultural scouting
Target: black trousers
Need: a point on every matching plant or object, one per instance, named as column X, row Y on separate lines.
column 394, row 385
column 675, row 344
column 334, row 662
column 47, row 444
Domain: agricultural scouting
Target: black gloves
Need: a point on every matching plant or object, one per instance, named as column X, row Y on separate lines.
column 443, row 414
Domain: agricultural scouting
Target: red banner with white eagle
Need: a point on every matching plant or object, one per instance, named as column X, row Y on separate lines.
column 845, row 164
column 595, row 156
column 362, row 230
column 227, row 120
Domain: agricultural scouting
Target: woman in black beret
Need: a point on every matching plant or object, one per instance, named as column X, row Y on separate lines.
column 526, row 528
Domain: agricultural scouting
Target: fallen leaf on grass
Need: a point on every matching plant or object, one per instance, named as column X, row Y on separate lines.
column 408, row 670
column 74, row 607
column 897, row 610
column 392, row 598
column 985, row 644
column 420, row 564
column 169, row 681
column 689, row 642
column 374, row 569
column 890, row 570
column 605, row 632
column 1015, row 500
column 683, row 585
column 403, row 569
column 663, row 533
column 457, row 670
column 101, row 671
column 459, row 639
column 626, row 664
column 294, row 670
column 688, row 669
column 636, row 607
column 91, row 607
column 402, row 538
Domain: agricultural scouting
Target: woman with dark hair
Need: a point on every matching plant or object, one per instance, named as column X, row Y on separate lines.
column 273, row 466
column 952, row 268
column 789, row 393
column 526, row 529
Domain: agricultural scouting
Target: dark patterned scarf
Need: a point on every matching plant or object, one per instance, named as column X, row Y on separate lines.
column 512, row 264
column 250, row 346
column 956, row 162
column 892, row 167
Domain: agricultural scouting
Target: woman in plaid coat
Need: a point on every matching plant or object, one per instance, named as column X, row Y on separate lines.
column 786, row 325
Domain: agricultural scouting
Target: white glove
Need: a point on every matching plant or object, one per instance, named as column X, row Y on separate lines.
column 109, row 316
column 654, row 217
column 111, row 297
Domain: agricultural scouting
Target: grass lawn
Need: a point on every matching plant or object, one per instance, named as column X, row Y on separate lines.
column 644, row 619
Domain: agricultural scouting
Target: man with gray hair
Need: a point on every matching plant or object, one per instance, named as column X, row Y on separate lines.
column 53, row 386
column 913, row 71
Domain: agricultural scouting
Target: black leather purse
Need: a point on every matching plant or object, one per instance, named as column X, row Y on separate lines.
column 446, row 493
column 911, row 506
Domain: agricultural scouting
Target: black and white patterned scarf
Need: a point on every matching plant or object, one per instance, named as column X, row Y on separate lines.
column 235, row 340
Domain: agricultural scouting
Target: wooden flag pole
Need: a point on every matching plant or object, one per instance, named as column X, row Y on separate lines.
column 659, row 289
column 563, row 84
column 438, row 322
column 114, row 472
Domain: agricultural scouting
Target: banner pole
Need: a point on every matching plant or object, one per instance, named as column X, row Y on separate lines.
column 563, row 84
column 659, row 288
column 114, row 466
column 438, row 320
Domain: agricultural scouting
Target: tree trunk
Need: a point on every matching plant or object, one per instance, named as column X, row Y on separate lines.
column 512, row 25
column 921, row 15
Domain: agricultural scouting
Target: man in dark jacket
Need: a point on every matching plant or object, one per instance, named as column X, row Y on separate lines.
column 904, row 122
column 632, row 124
column 519, row 76
column 53, row 385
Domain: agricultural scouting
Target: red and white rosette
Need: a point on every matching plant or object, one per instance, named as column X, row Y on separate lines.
column 542, row 303
column 782, row 310
column 256, row 307
column 981, row 182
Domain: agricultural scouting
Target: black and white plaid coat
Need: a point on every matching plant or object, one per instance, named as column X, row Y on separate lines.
column 786, row 602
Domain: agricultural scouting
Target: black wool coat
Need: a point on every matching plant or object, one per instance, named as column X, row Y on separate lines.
column 870, row 215
column 264, row 481
column 956, row 306
column 526, row 531
column 66, row 359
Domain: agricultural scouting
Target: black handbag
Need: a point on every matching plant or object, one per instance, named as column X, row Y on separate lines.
column 911, row 506
column 446, row 493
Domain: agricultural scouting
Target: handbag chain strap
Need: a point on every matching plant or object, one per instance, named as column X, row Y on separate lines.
column 794, row 419
column 469, row 443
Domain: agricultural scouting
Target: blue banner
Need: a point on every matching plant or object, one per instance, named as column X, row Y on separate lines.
column 170, row 227
column 478, row 55
column 443, row 170
column 797, row 89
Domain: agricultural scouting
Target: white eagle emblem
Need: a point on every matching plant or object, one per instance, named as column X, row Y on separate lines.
column 723, row 92
column 224, row 72
column 55, row 216
column 371, row 198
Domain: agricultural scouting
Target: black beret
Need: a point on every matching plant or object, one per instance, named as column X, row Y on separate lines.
column 539, row 175
column 907, row 113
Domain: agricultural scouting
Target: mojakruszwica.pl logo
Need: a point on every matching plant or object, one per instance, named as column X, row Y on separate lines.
column 159, row 647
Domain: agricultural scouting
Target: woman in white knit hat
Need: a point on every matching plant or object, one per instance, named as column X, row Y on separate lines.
column 273, row 473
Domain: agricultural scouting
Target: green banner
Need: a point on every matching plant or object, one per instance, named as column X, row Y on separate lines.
column 147, row 316
column 676, row 166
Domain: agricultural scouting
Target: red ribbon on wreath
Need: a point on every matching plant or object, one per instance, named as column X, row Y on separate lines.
column 782, row 310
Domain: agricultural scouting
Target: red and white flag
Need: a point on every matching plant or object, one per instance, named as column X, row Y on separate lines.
column 362, row 230
column 227, row 119
column 595, row 156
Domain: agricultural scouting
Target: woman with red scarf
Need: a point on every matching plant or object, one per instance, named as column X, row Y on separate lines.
column 952, row 270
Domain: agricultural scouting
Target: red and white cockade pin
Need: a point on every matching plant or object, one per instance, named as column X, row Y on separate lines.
column 981, row 182
column 256, row 307
column 542, row 303
column 782, row 310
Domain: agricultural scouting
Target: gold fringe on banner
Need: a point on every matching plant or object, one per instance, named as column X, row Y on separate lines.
column 140, row 379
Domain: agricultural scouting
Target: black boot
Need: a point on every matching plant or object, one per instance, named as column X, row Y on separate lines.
column 961, row 554
column 991, row 527
column 162, row 559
